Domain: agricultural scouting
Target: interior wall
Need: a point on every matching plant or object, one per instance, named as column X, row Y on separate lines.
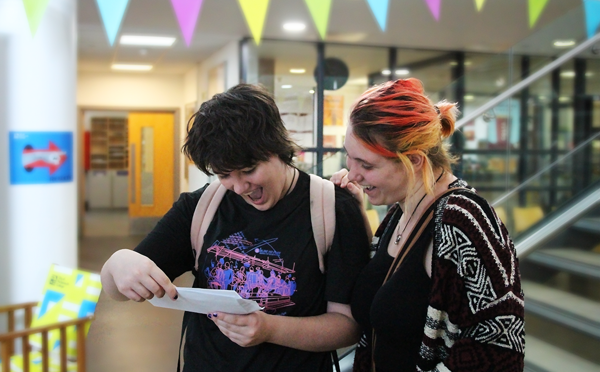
column 227, row 58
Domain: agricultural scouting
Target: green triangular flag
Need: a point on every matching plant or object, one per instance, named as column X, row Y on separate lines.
column 255, row 12
column 479, row 4
column 35, row 10
column 535, row 9
column 319, row 9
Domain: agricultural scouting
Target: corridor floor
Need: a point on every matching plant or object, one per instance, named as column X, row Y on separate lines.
column 125, row 336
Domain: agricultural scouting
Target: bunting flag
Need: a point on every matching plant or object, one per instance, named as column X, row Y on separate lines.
column 112, row 12
column 255, row 12
column 319, row 10
column 187, row 13
column 535, row 9
column 592, row 16
column 479, row 4
column 434, row 7
column 380, row 10
column 35, row 10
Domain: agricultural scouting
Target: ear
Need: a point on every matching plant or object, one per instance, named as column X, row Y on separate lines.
column 417, row 161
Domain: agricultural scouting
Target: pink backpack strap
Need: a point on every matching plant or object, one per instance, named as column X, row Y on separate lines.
column 322, row 215
column 204, row 213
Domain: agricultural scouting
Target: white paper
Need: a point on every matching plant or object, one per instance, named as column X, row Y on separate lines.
column 205, row 301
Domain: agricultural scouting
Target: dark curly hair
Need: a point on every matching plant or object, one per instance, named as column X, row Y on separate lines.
column 237, row 129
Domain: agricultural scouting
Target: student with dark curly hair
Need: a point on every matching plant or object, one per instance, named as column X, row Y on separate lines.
column 442, row 291
column 260, row 243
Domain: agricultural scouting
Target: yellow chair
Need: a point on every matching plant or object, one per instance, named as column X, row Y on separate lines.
column 501, row 213
column 525, row 217
column 373, row 218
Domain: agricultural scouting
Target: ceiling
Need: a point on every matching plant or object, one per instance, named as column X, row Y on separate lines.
column 500, row 25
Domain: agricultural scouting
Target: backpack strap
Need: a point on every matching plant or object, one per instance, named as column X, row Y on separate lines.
column 203, row 215
column 322, row 215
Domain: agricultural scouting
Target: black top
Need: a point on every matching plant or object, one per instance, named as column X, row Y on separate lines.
column 269, row 256
column 397, row 309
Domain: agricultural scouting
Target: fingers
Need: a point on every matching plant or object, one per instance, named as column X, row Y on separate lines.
column 138, row 278
column 338, row 177
column 244, row 330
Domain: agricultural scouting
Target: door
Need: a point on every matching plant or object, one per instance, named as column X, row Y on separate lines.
column 151, row 164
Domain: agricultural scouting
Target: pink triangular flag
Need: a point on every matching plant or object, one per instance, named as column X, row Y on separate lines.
column 187, row 12
column 434, row 7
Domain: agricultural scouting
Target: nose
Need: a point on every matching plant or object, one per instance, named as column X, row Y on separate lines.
column 353, row 174
column 239, row 185
column 235, row 183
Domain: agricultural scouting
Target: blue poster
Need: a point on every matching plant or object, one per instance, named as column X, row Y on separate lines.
column 40, row 157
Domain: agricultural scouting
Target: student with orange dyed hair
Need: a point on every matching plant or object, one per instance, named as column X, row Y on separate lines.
column 442, row 291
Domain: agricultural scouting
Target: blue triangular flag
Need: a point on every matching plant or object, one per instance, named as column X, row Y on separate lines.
column 380, row 10
column 592, row 16
column 112, row 12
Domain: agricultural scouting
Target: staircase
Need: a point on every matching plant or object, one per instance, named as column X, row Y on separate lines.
column 561, row 280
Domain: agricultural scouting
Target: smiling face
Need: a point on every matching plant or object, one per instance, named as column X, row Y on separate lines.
column 262, row 185
column 383, row 179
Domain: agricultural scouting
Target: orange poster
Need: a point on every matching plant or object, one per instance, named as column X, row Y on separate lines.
column 333, row 111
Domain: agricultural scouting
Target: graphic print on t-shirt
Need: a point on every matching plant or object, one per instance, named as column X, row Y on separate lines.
column 253, row 269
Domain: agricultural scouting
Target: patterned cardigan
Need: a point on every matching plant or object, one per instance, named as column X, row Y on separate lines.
column 475, row 318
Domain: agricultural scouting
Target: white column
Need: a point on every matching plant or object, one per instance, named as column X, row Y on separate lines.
column 38, row 75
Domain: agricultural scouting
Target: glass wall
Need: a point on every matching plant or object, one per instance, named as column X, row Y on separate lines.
column 499, row 150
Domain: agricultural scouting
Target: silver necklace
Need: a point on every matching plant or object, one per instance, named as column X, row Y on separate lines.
column 399, row 236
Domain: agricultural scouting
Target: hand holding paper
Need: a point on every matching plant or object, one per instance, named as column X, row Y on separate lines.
column 206, row 301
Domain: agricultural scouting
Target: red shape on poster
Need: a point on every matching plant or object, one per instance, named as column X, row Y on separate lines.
column 52, row 158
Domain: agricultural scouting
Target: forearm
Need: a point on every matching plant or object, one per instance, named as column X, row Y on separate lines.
column 324, row 332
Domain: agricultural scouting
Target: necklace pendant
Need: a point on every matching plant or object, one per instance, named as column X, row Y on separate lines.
column 398, row 237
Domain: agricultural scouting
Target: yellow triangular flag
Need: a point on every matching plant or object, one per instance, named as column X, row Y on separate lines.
column 255, row 12
column 479, row 4
column 319, row 9
column 535, row 9
column 35, row 10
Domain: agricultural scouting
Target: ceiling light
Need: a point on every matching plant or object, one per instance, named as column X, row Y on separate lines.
column 385, row 72
column 469, row 97
column 311, row 91
column 127, row 67
column 294, row 26
column 297, row 70
column 286, row 86
column 567, row 74
column 564, row 99
column 589, row 74
column 564, row 43
column 156, row 41
column 402, row 71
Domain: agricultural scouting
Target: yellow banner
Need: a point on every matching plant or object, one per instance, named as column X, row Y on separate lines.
column 35, row 10
column 319, row 10
column 535, row 9
column 255, row 12
column 479, row 4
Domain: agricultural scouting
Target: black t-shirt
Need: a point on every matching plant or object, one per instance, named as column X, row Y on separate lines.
column 268, row 256
column 396, row 310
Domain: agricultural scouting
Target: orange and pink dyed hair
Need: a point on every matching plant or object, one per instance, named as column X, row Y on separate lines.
column 398, row 121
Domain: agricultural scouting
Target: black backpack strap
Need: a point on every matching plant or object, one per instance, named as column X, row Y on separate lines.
column 186, row 320
column 336, row 360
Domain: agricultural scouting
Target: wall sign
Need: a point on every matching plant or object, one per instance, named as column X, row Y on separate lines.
column 40, row 157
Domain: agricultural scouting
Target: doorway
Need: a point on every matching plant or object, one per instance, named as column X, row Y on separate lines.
column 128, row 175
